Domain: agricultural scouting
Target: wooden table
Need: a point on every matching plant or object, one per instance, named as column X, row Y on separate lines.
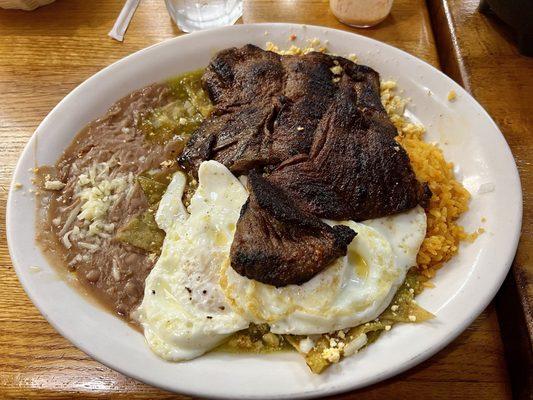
column 44, row 55
column 480, row 53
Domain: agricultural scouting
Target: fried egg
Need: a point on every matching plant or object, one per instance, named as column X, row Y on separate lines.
column 353, row 290
column 184, row 312
column 171, row 208
column 194, row 300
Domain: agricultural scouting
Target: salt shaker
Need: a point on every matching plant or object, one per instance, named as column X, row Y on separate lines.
column 361, row 13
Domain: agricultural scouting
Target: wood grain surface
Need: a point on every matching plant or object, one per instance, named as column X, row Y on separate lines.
column 480, row 53
column 44, row 54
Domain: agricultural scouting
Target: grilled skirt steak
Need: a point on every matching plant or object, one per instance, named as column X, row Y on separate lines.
column 315, row 126
column 355, row 170
column 269, row 104
column 277, row 243
column 240, row 140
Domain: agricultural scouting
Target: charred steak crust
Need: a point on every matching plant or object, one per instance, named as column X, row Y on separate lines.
column 269, row 104
column 315, row 124
column 239, row 140
column 355, row 170
column 279, row 244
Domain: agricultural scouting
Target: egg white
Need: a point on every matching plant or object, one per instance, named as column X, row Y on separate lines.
column 193, row 298
column 184, row 312
column 353, row 290
column 171, row 208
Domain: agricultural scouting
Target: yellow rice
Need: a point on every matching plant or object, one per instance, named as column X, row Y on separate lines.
column 449, row 200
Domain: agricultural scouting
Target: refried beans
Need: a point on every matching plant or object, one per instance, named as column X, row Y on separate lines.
column 96, row 204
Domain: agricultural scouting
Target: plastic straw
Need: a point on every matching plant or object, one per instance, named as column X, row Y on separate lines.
column 123, row 20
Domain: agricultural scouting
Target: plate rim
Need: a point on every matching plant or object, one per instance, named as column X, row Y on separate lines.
column 330, row 390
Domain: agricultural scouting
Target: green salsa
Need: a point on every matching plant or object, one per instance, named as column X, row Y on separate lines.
column 182, row 116
column 176, row 120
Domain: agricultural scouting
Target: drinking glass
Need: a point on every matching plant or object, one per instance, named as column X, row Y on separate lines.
column 195, row 15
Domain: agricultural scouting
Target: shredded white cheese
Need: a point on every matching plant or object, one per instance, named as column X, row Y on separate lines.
column 353, row 346
column 115, row 272
column 306, row 345
column 95, row 193
column 333, row 355
column 98, row 192
column 97, row 199
column 54, row 185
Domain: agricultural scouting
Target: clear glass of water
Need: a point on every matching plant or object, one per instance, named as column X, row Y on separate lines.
column 195, row 15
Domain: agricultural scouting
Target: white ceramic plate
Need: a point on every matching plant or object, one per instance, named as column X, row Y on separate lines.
column 464, row 287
